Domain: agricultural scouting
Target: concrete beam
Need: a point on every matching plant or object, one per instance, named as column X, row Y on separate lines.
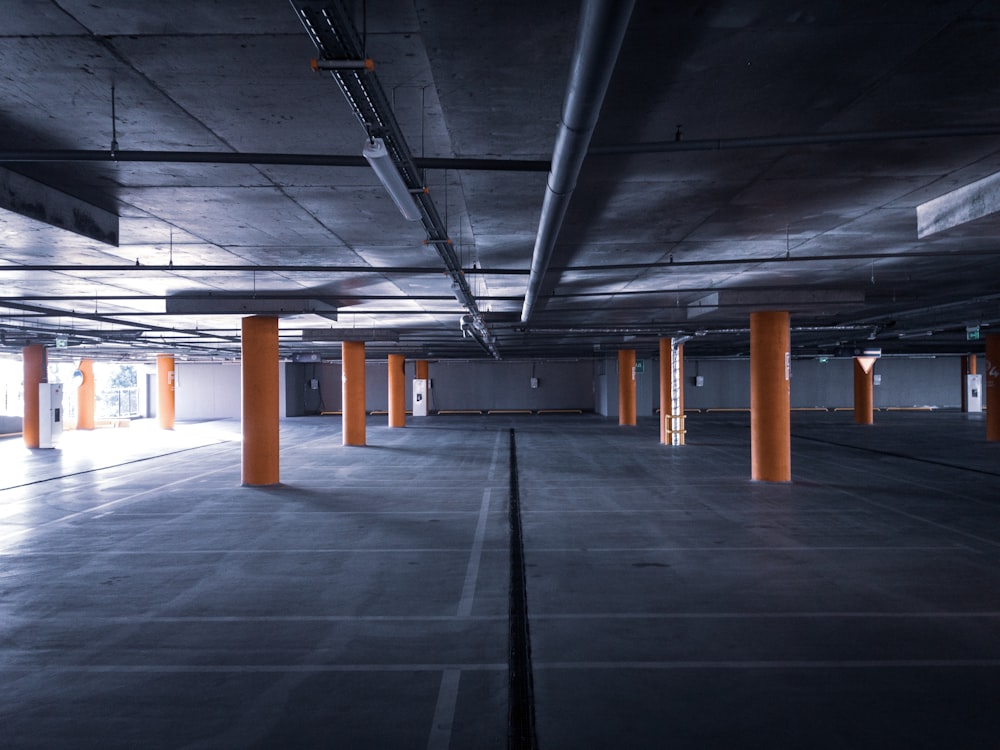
column 703, row 305
column 350, row 334
column 37, row 201
column 960, row 206
column 778, row 299
column 247, row 304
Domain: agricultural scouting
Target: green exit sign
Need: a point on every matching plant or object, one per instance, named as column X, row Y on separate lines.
column 972, row 333
column 639, row 366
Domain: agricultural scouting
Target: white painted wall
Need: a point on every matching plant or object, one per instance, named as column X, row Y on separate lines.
column 210, row 390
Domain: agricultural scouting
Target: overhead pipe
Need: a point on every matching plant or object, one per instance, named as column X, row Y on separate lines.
column 665, row 330
column 784, row 258
column 43, row 156
column 599, row 39
column 781, row 141
column 275, row 268
column 58, row 156
column 473, row 271
column 492, row 271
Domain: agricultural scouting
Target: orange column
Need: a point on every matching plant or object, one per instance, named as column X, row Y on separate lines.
column 626, row 387
column 260, row 401
column 166, row 383
column 666, row 404
column 86, row 396
column 993, row 386
column 397, row 390
column 864, row 379
column 770, row 397
column 35, row 366
column 354, row 392
column 422, row 370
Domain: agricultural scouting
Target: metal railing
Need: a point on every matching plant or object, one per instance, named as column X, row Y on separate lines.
column 118, row 403
column 11, row 401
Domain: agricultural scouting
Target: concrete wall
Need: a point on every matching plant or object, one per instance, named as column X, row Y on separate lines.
column 328, row 396
column 606, row 387
column 10, row 424
column 507, row 385
column 210, row 391
column 301, row 397
column 480, row 385
column 646, row 387
column 904, row 382
column 919, row 382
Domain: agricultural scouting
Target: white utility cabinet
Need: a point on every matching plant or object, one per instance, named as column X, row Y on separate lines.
column 50, row 414
column 420, row 397
column 974, row 393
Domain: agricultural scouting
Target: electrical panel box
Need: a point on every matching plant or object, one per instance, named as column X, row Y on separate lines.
column 974, row 393
column 50, row 414
column 419, row 397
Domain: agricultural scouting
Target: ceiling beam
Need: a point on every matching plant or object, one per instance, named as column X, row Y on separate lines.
column 247, row 304
column 967, row 203
column 37, row 201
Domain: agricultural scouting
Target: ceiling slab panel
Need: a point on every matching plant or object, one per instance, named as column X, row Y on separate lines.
column 745, row 148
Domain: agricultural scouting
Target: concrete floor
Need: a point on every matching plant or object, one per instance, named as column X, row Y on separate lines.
column 146, row 600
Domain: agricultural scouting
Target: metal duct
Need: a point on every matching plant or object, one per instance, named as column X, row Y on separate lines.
column 599, row 39
column 335, row 37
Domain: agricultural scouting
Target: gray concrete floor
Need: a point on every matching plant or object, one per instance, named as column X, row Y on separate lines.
column 146, row 600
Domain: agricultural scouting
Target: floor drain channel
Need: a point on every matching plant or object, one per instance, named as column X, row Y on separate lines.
column 521, row 698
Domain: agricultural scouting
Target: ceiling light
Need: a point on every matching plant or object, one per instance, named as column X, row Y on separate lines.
column 378, row 156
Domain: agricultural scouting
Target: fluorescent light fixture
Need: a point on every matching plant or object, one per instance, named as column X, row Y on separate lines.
column 378, row 156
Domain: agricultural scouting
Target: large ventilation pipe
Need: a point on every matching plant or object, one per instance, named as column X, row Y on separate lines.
column 602, row 29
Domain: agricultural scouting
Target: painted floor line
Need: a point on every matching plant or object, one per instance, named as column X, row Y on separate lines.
column 499, row 667
column 777, row 664
column 502, row 617
column 251, row 668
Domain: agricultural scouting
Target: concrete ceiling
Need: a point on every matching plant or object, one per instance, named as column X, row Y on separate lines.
column 808, row 135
